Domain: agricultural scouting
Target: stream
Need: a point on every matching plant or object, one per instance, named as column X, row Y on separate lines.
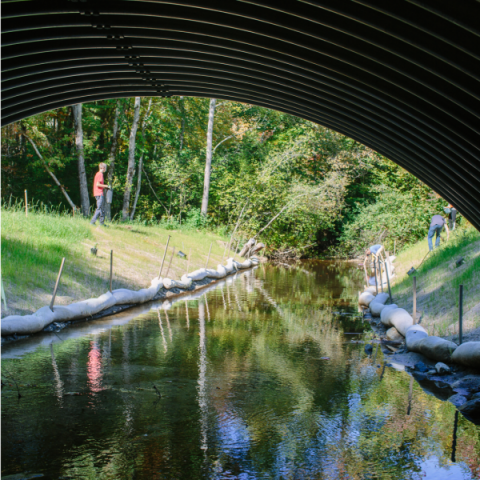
column 260, row 376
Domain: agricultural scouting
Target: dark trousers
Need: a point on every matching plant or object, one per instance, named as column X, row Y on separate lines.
column 100, row 211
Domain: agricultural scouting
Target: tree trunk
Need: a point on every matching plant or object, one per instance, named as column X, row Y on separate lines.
column 208, row 163
column 112, row 155
column 131, row 159
column 82, row 176
column 182, row 128
column 140, row 162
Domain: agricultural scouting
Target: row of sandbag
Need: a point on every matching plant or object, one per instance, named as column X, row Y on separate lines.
column 416, row 337
column 26, row 324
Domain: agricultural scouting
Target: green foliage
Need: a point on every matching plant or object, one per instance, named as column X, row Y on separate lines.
column 325, row 185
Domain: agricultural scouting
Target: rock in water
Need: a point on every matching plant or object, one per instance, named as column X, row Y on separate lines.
column 458, row 400
column 394, row 335
column 471, row 410
column 421, row 367
column 441, row 368
column 368, row 349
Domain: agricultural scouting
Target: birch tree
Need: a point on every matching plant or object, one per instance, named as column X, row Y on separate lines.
column 82, row 176
column 113, row 153
column 131, row 159
column 140, row 161
column 208, row 162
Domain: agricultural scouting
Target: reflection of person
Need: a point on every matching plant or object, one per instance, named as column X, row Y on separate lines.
column 452, row 216
column 98, row 189
column 436, row 227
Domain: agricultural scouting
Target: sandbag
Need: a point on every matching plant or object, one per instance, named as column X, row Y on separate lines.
column 394, row 335
column 85, row 308
column 248, row 246
column 467, row 354
column 184, row 283
column 385, row 319
column 213, row 273
column 25, row 324
column 434, row 348
column 199, row 274
column 371, row 290
column 257, row 248
column 378, row 303
column 365, row 298
column 222, row 272
column 124, row 296
column 413, row 335
column 400, row 319
column 255, row 260
column 230, row 266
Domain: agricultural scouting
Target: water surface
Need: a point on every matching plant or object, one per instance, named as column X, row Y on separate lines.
column 263, row 376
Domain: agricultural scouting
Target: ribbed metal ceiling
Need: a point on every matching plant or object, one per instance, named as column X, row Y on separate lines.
column 399, row 76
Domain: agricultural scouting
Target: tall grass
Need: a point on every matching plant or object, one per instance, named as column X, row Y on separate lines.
column 33, row 246
column 438, row 280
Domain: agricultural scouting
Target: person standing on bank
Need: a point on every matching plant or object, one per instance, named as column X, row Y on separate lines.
column 98, row 193
column 452, row 216
column 436, row 227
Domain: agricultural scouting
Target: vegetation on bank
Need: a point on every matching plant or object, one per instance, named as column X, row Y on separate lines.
column 33, row 248
column 438, row 280
column 328, row 194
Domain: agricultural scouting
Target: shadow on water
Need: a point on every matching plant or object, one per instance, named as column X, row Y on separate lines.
column 262, row 376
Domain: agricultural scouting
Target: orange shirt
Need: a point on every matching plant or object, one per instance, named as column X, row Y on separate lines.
column 97, row 191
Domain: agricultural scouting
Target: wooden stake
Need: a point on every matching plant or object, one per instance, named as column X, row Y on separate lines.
column 26, row 204
column 188, row 259
column 224, row 250
column 170, row 263
column 414, row 300
column 376, row 279
column 460, row 316
column 388, row 278
column 111, row 269
column 380, row 269
column 163, row 259
column 395, row 246
column 208, row 258
column 56, row 284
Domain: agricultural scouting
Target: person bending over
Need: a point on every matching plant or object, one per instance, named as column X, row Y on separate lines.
column 436, row 227
column 374, row 250
column 98, row 189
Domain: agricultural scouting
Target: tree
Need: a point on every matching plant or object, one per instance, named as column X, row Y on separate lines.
column 140, row 161
column 208, row 162
column 131, row 159
column 113, row 152
column 82, row 176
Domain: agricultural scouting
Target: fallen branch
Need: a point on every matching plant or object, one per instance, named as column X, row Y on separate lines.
column 55, row 179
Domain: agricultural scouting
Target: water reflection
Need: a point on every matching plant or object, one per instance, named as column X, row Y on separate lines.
column 259, row 378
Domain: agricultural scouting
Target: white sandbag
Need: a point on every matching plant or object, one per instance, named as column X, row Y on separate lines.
column 371, row 290
column 245, row 264
column 257, row 248
column 184, row 283
column 25, row 324
column 378, row 303
column 85, row 308
column 255, row 260
column 467, row 354
column 399, row 318
column 435, row 348
column 385, row 319
column 199, row 274
column 213, row 273
column 394, row 335
column 123, row 296
column 221, row 271
column 414, row 334
column 365, row 298
column 230, row 265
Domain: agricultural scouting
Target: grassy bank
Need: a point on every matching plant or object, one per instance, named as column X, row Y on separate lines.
column 438, row 280
column 33, row 247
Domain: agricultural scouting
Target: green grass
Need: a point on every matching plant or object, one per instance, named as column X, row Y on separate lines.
column 438, row 280
column 33, row 247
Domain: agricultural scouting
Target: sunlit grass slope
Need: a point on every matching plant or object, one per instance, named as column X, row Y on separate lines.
column 33, row 247
column 438, row 280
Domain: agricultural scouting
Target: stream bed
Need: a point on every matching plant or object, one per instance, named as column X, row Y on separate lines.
column 262, row 375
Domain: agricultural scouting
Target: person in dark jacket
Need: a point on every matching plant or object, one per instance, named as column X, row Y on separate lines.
column 436, row 227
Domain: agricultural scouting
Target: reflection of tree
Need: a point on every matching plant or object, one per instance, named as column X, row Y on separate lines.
column 279, row 410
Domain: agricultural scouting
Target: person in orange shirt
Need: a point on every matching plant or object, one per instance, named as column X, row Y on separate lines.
column 98, row 189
